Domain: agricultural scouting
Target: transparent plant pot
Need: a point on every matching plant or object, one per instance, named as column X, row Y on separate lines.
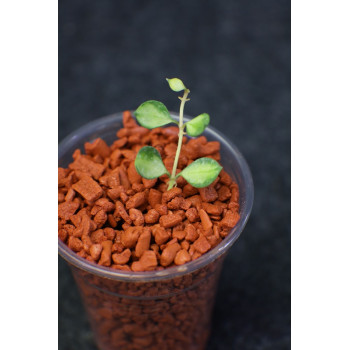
column 167, row 309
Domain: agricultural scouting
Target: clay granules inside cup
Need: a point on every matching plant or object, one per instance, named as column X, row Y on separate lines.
column 110, row 215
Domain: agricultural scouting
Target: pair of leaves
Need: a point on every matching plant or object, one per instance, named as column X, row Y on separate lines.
column 201, row 173
column 153, row 114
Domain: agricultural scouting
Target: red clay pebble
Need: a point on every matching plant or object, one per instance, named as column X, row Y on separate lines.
column 206, row 222
column 154, row 197
column 130, row 236
column 213, row 240
column 168, row 254
column 161, row 235
column 67, row 209
column 70, row 195
column 148, row 261
column 69, row 228
column 111, row 220
column 61, row 197
column 85, row 226
column 115, row 193
column 97, row 147
column 177, row 203
column 152, row 217
column 95, row 251
column 196, row 201
column 118, row 144
column 134, row 176
column 115, row 157
column 143, row 242
column 224, row 193
column 88, row 166
column 88, row 188
column 179, row 235
column 212, row 208
column 75, row 244
column 117, row 248
column 128, row 120
column 105, row 204
column 225, row 178
column 100, row 218
column 235, row 193
column 185, row 245
column 122, row 258
column 62, row 234
column 62, row 173
column 106, row 253
column 120, row 211
column 98, row 236
column 136, row 216
column 215, row 217
column 111, row 180
column 149, row 183
column 191, row 233
column 185, row 205
column 169, row 195
column 209, row 148
column 109, row 233
column 202, row 245
column 168, row 221
column 182, row 257
column 129, row 155
column 208, row 194
column 87, row 243
column 192, row 214
column 189, row 190
column 136, row 201
column 137, row 188
column 230, row 219
column 162, row 209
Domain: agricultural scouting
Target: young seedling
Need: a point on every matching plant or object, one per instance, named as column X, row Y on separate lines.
column 148, row 163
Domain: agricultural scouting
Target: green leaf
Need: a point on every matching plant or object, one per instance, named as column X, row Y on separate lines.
column 197, row 125
column 152, row 114
column 149, row 164
column 176, row 84
column 202, row 172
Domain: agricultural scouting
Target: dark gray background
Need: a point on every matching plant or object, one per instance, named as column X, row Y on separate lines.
column 235, row 58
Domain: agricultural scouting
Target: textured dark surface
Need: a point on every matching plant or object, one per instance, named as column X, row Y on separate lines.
column 235, row 58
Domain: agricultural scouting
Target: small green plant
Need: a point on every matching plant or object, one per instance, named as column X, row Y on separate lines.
column 148, row 163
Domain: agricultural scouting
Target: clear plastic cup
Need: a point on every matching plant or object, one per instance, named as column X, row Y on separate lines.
column 168, row 309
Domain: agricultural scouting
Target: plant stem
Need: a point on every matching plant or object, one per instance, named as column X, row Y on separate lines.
column 183, row 99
